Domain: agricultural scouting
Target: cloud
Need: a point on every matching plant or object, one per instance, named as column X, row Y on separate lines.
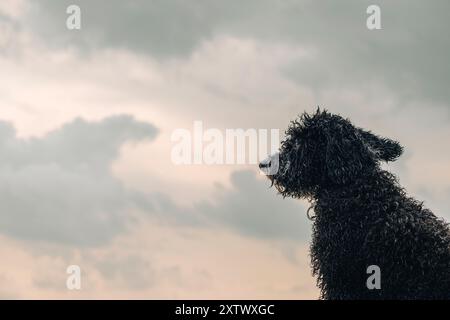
column 59, row 187
column 349, row 55
column 248, row 207
column 131, row 271
column 159, row 27
column 408, row 54
column 251, row 209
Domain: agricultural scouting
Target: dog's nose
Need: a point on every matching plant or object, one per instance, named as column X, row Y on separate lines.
column 265, row 163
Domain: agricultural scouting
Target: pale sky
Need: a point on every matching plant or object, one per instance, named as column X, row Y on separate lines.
column 86, row 118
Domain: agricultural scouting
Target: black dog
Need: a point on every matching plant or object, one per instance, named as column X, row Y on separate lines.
column 363, row 217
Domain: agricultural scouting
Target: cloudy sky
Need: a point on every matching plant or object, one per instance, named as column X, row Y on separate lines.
column 86, row 118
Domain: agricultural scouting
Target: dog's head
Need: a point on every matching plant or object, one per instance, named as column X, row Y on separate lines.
column 324, row 150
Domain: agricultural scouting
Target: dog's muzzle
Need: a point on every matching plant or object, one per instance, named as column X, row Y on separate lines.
column 270, row 165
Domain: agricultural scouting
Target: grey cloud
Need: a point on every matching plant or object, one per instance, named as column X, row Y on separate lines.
column 59, row 188
column 160, row 27
column 251, row 209
column 162, row 209
column 248, row 208
column 408, row 55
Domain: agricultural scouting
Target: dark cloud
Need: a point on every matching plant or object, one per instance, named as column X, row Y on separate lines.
column 409, row 55
column 159, row 27
column 59, row 187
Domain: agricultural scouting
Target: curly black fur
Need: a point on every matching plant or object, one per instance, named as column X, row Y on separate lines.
column 362, row 215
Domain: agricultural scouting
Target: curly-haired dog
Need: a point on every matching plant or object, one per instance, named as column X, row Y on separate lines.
column 363, row 217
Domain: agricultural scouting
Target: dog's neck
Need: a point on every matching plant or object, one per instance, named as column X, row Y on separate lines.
column 365, row 185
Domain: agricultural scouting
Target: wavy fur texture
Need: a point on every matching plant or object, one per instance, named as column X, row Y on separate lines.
column 362, row 215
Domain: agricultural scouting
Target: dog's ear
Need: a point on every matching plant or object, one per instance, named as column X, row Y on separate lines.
column 345, row 157
column 382, row 148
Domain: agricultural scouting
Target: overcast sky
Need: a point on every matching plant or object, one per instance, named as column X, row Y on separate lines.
column 86, row 117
